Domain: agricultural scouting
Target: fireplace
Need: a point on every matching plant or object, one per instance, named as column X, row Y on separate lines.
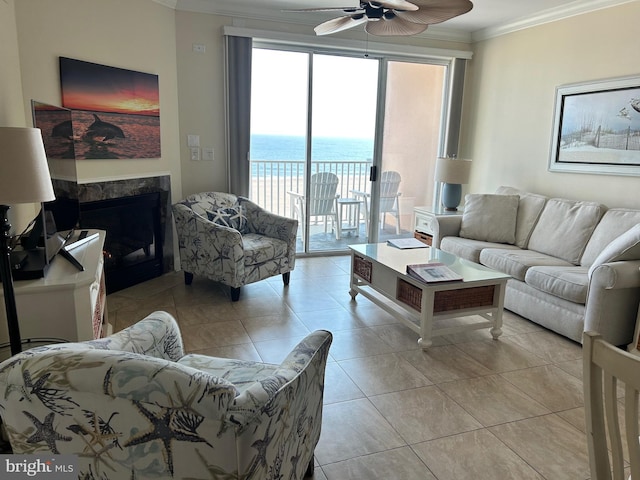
column 135, row 213
column 133, row 245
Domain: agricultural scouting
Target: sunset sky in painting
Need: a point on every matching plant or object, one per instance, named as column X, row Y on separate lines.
column 93, row 87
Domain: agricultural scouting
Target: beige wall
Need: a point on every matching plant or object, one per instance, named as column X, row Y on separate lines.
column 509, row 102
column 132, row 34
column 11, row 111
column 201, row 95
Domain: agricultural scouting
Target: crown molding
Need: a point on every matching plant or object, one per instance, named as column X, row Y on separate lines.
column 436, row 32
column 578, row 7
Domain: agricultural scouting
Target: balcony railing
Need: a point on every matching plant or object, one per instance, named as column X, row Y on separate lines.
column 272, row 179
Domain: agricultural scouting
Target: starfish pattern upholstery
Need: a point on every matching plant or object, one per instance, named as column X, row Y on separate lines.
column 263, row 247
column 134, row 405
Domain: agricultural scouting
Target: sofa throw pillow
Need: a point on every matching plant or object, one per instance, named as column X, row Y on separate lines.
column 490, row 217
column 232, row 217
column 625, row 247
column 529, row 210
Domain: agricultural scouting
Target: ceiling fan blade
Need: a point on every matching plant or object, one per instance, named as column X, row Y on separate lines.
column 396, row 5
column 339, row 24
column 325, row 9
column 396, row 26
column 435, row 11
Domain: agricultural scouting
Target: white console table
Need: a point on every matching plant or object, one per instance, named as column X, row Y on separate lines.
column 66, row 305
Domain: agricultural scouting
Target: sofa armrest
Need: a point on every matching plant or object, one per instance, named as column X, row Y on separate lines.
column 269, row 224
column 297, row 383
column 612, row 301
column 445, row 226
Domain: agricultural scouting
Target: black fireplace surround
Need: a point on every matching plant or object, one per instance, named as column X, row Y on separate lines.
column 134, row 214
column 133, row 243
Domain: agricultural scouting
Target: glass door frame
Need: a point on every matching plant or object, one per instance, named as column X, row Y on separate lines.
column 309, row 143
column 383, row 60
column 374, row 213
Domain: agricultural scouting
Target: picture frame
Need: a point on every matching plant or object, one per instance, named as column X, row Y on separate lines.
column 596, row 127
column 115, row 111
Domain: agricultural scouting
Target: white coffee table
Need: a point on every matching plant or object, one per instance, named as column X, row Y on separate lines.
column 378, row 272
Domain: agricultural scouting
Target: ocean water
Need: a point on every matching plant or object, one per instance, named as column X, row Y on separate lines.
column 292, row 148
column 141, row 135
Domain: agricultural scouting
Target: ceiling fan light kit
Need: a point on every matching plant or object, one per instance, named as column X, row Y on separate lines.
column 392, row 17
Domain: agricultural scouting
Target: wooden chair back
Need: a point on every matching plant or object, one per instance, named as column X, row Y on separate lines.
column 322, row 195
column 607, row 371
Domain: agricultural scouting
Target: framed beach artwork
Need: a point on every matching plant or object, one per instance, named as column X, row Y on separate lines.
column 115, row 112
column 596, row 128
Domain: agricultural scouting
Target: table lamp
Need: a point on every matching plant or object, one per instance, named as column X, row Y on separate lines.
column 24, row 178
column 453, row 172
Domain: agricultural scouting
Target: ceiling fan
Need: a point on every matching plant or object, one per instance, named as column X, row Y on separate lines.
column 391, row 17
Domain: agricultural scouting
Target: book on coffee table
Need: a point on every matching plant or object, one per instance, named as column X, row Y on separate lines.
column 404, row 243
column 432, row 273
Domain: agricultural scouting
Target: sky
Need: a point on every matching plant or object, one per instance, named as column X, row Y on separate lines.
column 93, row 87
column 344, row 98
column 608, row 109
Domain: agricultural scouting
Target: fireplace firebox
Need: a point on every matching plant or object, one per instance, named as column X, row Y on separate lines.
column 133, row 244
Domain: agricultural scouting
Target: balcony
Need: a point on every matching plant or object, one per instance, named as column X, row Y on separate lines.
column 272, row 179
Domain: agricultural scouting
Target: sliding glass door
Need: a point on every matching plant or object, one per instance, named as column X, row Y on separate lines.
column 342, row 132
column 413, row 106
column 323, row 126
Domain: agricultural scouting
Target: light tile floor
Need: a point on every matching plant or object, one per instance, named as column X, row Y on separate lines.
column 469, row 407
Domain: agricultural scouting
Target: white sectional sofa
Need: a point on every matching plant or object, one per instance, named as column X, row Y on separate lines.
column 575, row 265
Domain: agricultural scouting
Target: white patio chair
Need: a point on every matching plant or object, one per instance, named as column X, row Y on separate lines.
column 322, row 200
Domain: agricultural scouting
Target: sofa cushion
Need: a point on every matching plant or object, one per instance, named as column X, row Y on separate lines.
column 469, row 249
column 529, row 210
column 259, row 249
column 570, row 283
column 614, row 223
column 625, row 247
column 517, row 262
column 239, row 373
column 490, row 218
column 564, row 228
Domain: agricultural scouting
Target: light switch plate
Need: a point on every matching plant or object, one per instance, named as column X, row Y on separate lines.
column 195, row 153
column 193, row 140
column 207, row 154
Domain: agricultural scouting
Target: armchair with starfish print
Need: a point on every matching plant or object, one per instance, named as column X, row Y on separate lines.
column 231, row 240
column 134, row 406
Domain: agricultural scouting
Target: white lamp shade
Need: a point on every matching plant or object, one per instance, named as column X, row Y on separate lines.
column 452, row 170
column 24, row 171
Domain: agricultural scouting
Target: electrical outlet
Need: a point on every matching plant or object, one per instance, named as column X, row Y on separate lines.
column 207, row 154
column 195, row 153
column 199, row 48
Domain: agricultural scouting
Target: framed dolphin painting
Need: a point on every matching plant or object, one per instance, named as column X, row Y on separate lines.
column 115, row 112
column 57, row 131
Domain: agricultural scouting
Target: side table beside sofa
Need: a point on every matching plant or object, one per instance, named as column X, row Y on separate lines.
column 574, row 264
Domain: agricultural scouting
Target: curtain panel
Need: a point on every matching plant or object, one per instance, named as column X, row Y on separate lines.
column 238, row 94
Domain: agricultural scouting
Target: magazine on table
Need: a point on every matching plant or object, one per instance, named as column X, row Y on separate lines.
column 404, row 243
column 432, row 273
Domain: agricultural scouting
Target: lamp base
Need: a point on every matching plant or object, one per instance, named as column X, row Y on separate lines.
column 7, row 282
column 451, row 196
